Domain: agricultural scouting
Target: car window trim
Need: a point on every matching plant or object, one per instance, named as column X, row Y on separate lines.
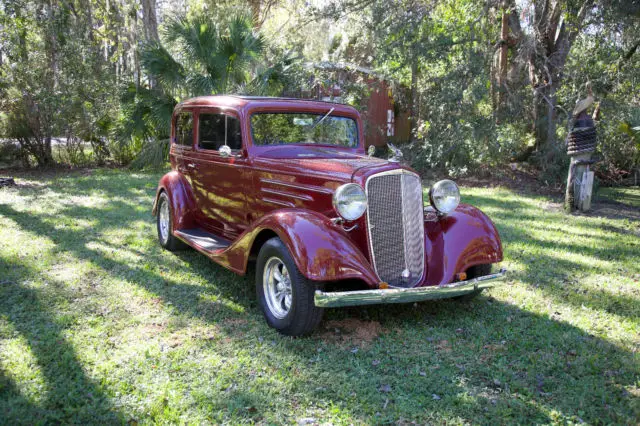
column 338, row 115
column 174, row 139
column 224, row 111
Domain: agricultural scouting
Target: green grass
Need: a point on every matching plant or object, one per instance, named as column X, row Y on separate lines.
column 99, row 325
column 627, row 196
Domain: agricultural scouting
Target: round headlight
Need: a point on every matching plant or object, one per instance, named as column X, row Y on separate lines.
column 350, row 201
column 445, row 196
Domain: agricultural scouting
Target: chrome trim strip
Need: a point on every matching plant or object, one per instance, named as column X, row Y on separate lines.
column 278, row 202
column 304, row 187
column 370, row 241
column 303, row 197
column 405, row 295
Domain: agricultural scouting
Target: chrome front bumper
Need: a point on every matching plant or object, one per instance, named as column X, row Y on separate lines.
column 405, row 295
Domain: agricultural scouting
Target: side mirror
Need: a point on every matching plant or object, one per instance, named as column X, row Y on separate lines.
column 371, row 151
column 224, row 151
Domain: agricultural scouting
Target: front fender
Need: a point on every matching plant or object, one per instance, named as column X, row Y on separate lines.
column 322, row 250
column 183, row 204
column 458, row 241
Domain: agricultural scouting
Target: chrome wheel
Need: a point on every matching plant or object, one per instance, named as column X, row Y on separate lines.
column 277, row 287
column 164, row 221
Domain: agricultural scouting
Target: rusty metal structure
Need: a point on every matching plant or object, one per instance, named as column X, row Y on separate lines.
column 383, row 118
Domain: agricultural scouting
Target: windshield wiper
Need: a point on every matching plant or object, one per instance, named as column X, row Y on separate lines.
column 322, row 119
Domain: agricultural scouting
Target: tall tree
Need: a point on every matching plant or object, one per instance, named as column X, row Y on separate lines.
column 150, row 20
column 556, row 24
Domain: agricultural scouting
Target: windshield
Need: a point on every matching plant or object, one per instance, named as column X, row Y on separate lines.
column 303, row 128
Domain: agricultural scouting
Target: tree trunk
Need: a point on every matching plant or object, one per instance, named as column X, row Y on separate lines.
column 504, row 52
column 51, row 46
column 150, row 20
column 52, row 43
column 545, row 116
column 150, row 23
column 413, row 113
column 255, row 12
column 554, row 33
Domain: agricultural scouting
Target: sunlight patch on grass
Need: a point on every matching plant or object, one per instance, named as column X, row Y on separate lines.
column 119, row 330
column 20, row 366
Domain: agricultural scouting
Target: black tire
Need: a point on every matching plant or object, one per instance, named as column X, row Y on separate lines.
column 475, row 272
column 169, row 242
column 302, row 316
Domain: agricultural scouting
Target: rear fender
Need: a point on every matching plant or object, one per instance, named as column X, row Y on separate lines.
column 180, row 195
column 322, row 250
column 458, row 241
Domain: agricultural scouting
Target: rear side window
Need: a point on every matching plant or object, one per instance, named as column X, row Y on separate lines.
column 215, row 129
column 184, row 129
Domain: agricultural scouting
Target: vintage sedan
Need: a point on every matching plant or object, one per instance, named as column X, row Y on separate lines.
column 286, row 183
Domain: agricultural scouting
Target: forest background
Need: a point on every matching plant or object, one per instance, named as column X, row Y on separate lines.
column 488, row 84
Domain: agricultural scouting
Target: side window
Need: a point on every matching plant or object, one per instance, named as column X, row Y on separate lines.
column 213, row 128
column 184, row 129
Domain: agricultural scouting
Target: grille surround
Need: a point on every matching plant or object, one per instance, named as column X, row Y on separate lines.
column 395, row 226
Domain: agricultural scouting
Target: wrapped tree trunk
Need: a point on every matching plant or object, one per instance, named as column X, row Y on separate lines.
column 581, row 143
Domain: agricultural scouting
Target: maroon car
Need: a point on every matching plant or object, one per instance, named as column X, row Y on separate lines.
column 287, row 183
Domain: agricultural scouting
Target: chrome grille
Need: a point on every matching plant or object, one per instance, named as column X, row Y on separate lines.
column 396, row 227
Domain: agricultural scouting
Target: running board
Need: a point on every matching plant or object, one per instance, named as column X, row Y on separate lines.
column 202, row 240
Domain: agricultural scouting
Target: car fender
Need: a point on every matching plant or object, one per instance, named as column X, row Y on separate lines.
column 183, row 205
column 458, row 241
column 321, row 249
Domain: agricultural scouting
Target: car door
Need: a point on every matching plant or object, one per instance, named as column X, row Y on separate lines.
column 220, row 181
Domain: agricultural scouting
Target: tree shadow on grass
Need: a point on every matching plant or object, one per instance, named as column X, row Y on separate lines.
column 484, row 361
column 71, row 397
column 14, row 407
column 471, row 362
column 556, row 275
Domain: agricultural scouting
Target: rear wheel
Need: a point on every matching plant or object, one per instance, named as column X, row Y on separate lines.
column 164, row 224
column 475, row 272
column 284, row 294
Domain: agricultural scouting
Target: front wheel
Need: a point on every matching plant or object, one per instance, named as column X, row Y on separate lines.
column 284, row 294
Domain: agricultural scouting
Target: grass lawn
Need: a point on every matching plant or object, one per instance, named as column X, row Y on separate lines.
column 98, row 324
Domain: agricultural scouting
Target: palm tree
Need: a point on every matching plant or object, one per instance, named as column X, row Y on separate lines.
column 209, row 59
column 198, row 57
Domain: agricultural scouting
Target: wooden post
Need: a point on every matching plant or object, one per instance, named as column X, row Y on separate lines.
column 579, row 184
column 586, row 185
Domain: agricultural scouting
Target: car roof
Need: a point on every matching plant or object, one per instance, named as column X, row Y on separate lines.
column 260, row 102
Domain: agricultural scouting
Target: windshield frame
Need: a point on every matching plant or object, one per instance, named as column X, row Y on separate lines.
column 319, row 113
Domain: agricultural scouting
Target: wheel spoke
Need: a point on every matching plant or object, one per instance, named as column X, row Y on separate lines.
column 287, row 301
column 281, row 298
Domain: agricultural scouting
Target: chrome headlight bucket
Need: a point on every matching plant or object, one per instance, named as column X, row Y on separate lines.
column 350, row 201
column 444, row 196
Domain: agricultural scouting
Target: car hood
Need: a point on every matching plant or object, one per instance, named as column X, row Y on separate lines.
column 331, row 164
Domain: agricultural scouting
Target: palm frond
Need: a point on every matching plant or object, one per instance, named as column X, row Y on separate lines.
column 196, row 59
column 197, row 37
column 159, row 63
column 154, row 154
column 271, row 80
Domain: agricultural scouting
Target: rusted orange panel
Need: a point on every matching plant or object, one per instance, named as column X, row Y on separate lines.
column 403, row 128
column 376, row 117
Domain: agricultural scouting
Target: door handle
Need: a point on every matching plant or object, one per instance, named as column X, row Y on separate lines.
column 192, row 166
